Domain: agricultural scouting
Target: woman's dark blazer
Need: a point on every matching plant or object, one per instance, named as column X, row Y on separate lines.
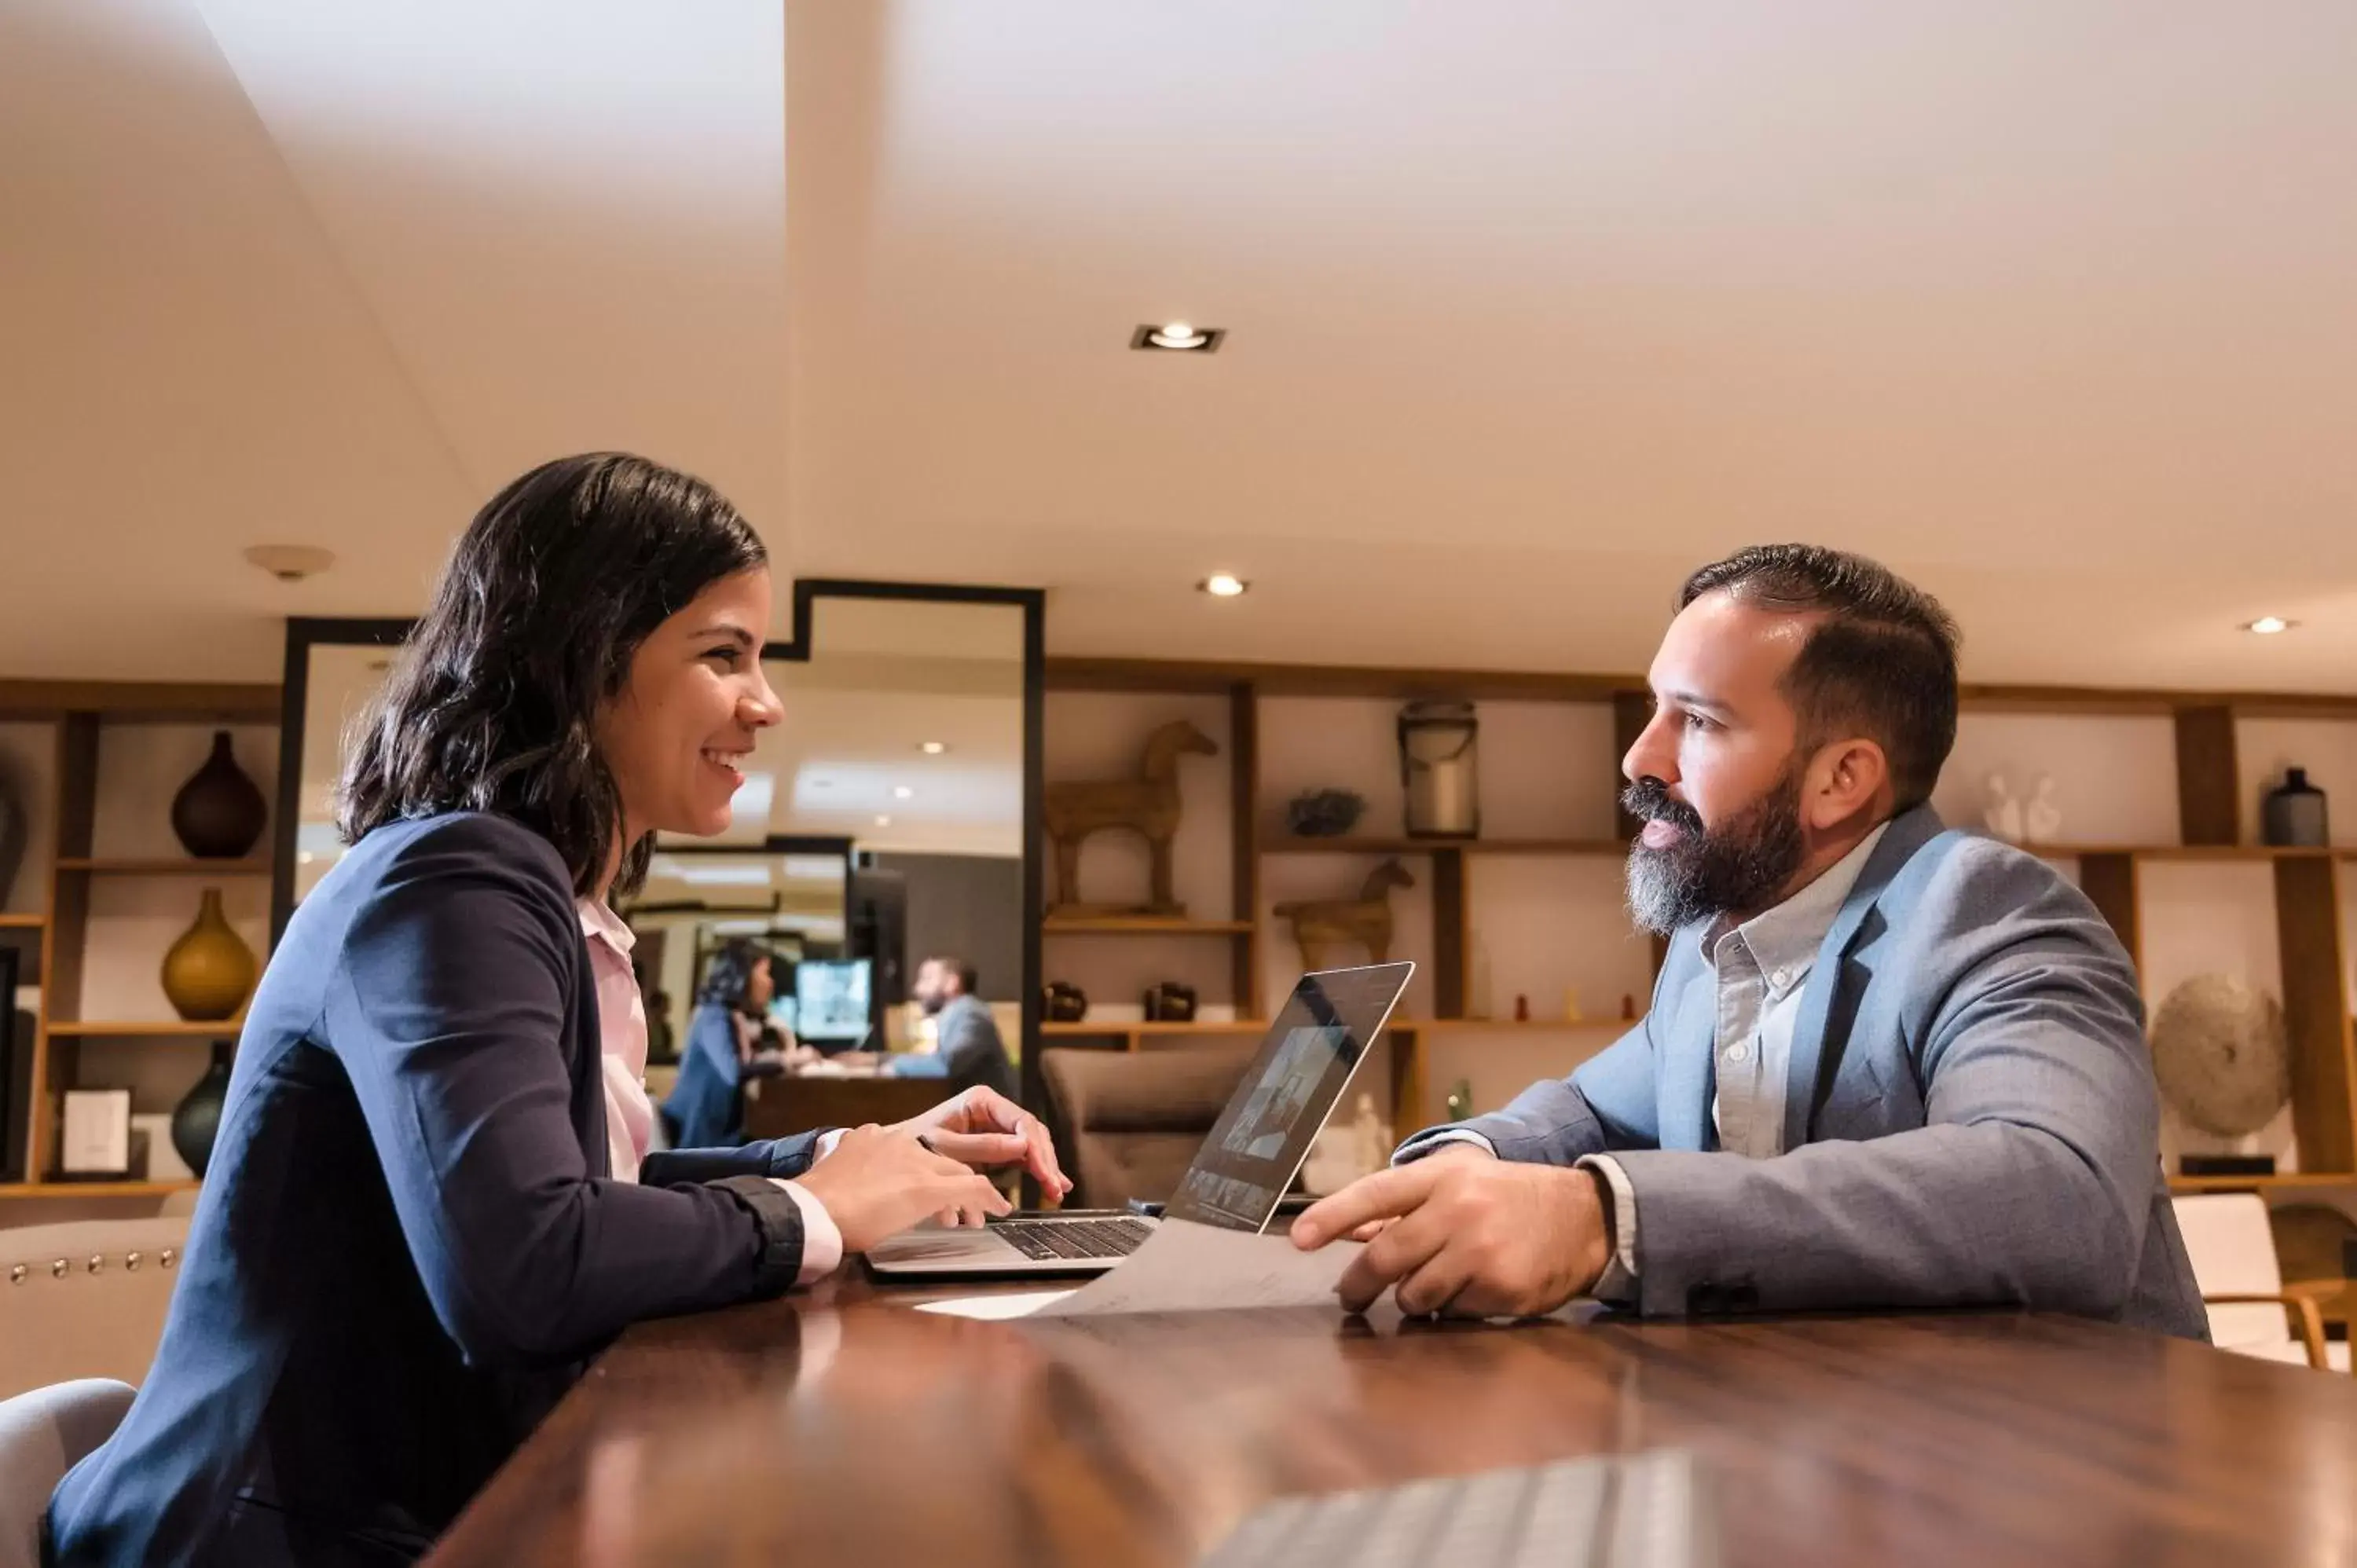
column 407, row 1244
column 707, row 1106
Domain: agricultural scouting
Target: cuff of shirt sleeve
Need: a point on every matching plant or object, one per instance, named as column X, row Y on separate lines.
column 1619, row 1283
column 821, row 1240
column 1424, row 1143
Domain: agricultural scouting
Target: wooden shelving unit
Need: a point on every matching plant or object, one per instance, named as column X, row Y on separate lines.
column 93, row 1189
column 187, row 866
column 81, row 714
column 2307, row 883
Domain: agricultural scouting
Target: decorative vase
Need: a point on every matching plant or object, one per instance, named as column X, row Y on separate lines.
column 219, row 814
column 2293, row 812
column 197, row 1118
column 12, row 839
column 208, row 971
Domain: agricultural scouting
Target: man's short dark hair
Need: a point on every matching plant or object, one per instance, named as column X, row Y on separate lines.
column 968, row 981
column 1882, row 664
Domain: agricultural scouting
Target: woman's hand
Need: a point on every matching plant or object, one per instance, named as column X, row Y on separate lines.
column 880, row 1180
column 984, row 1129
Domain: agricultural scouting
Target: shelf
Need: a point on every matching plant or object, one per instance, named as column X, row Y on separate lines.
column 1525, row 1026
column 2261, row 1182
column 1615, row 848
column 1143, row 925
column 223, row 1029
column 93, row 1189
column 23, row 922
column 169, row 867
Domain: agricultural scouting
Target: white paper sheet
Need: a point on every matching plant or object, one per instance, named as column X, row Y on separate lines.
column 1187, row 1267
column 995, row 1308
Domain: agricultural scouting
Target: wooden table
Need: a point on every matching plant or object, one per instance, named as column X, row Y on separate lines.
column 796, row 1103
column 842, row 1427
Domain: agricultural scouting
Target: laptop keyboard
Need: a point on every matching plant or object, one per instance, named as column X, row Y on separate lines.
column 1643, row 1510
column 1047, row 1239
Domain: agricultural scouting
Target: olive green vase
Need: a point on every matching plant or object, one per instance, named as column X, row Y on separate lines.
column 209, row 971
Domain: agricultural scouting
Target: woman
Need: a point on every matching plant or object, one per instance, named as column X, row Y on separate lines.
column 706, row 1108
column 409, row 1241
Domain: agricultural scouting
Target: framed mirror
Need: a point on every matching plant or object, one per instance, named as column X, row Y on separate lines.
column 890, row 818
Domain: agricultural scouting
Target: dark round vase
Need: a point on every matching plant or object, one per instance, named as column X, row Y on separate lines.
column 197, row 1118
column 219, row 814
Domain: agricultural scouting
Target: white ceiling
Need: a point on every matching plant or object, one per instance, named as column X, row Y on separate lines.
column 1533, row 306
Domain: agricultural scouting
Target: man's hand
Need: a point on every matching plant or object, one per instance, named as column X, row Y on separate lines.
column 984, row 1129
column 1463, row 1232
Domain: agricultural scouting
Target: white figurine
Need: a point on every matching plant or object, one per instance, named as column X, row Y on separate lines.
column 2003, row 814
column 2042, row 818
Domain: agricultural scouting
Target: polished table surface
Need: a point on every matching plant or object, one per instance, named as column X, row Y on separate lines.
column 840, row 1426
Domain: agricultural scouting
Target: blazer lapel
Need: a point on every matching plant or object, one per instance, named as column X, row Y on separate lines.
column 1907, row 833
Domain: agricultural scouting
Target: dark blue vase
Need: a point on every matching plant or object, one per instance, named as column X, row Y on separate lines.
column 197, row 1118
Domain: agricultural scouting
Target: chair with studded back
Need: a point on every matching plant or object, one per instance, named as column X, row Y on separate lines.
column 85, row 1299
column 81, row 1306
column 1128, row 1123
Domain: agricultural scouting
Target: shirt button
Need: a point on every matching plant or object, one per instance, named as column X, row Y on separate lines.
column 1738, row 1054
column 1779, row 977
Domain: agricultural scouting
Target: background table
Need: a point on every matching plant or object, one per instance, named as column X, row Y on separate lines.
column 844, row 1427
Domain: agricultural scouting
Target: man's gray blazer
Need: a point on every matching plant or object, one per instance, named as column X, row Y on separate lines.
column 1970, row 1118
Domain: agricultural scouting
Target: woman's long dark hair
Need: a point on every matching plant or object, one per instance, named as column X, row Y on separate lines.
column 728, row 977
column 491, row 706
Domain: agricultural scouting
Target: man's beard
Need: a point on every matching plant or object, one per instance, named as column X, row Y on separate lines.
column 1736, row 866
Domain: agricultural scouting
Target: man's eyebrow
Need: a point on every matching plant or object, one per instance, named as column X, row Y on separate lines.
column 1694, row 702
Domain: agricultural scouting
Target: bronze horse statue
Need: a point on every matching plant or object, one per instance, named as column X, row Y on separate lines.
column 1321, row 925
column 1146, row 805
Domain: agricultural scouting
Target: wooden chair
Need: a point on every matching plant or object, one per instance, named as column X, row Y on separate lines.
column 2234, row 1255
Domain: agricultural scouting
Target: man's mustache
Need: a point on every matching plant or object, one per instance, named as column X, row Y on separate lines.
column 1649, row 800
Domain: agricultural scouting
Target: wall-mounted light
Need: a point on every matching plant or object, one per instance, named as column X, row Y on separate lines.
column 2268, row 626
column 931, row 748
column 1223, row 586
column 902, row 792
column 1178, row 338
column 883, row 821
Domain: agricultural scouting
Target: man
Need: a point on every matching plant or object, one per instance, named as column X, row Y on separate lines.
column 1886, row 1064
column 966, row 1047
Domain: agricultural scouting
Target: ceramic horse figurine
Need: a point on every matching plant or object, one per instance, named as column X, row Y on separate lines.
column 1146, row 805
column 1321, row 925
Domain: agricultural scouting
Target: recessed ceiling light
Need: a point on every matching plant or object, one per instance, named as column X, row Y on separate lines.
column 883, row 821
column 2267, row 625
column 932, row 748
column 1223, row 586
column 1179, row 336
column 902, row 792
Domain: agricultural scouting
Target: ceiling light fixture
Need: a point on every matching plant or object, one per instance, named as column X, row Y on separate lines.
column 1223, row 586
column 1179, row 336
column 902, row 792
column 2268, row 626
column 931, row 748
column 883, row 821
column 291, row 563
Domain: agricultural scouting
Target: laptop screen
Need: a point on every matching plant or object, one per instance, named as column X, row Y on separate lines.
column 1304, row 1064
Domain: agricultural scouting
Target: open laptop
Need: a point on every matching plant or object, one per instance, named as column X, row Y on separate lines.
column 1253, row 1152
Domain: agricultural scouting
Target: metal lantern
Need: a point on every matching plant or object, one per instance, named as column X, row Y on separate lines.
column 1437, row 773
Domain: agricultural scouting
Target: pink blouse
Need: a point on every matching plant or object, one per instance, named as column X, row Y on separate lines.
column 629, row 1113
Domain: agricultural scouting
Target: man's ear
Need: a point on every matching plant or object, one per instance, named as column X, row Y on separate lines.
column 1844, row 777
